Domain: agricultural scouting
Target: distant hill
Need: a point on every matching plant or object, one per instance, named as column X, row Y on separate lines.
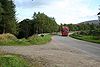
column 91, row 21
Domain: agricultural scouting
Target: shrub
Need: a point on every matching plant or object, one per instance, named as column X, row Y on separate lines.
column 84, row 32
column 8, row 36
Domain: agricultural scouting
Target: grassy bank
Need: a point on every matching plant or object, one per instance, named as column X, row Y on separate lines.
column 39, row 39
column 15, row 60
column 88, row 38
column 12, row 61
column 11, row 40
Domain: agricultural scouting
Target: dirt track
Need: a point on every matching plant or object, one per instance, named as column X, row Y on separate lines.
column 53, row 54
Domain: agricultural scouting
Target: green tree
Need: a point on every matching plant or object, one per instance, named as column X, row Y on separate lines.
column 44, row 24
column 8, row 17
column 40, row 23
column 25, row 28
column 1, row 12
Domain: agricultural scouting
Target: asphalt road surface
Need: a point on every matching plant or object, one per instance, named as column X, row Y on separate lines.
column 92, row 49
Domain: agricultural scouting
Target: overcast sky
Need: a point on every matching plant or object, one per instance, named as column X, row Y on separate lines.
column 64, row 11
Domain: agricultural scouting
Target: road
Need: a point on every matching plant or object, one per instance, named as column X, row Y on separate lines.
column 92, row 49
column 60, row 52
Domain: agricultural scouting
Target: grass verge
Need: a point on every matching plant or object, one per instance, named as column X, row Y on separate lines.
column 12, row 61
column 11, row 40
column 88, row 38
column 39, row 40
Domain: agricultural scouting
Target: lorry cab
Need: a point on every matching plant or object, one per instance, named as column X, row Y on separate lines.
column 65, row 31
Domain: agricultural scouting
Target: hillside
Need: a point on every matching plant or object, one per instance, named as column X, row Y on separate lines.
column 91, row 21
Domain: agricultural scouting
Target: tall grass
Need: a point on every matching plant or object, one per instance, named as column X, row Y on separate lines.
column 39, row 39
column 7, row 37
column 11, row 40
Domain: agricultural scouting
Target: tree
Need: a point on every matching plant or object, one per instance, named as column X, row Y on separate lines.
column 8, row 17
column 44, row 24
column 72, row 27
column 1, row 12
column 40, row 23
column 24, row 28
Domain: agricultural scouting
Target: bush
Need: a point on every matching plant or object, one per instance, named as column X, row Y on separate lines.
column 91, row 32
column 7, row 36
column 84, row 32
column 9, row 39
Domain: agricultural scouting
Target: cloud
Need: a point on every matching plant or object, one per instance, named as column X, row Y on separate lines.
column 64, row 11
column 32, row 3
column 23, row 3
column 71, row 11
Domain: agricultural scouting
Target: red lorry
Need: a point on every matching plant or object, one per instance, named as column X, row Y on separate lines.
column 65, row 31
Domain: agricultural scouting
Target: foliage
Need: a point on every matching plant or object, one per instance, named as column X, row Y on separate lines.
column 7, row 37
column 12, row 61
column 43, row 23
column 40, row 23
column 83, row 27
column 1, row 11
column 72, row 27
column 8, row 20
column 25, row 28
column 11, row 40
column 39, row 39
column 90, row 38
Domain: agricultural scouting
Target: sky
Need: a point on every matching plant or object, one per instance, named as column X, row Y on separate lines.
column 64, row 11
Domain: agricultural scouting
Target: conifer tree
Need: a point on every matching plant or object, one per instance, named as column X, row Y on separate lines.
column 8, row 17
